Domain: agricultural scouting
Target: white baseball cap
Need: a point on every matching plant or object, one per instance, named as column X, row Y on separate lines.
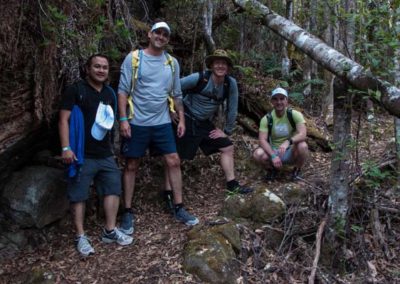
column 161, row 25
column 104, row 121
column 281, row 91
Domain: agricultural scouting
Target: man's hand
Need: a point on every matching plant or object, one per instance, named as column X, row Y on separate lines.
column 282, row 148
column 180, row 131
column 125, row 129
column 68, row 157
column 277, row 162
column 216, row 133
column 174, row 117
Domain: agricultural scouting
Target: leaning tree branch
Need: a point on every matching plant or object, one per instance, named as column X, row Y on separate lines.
column 387, row 95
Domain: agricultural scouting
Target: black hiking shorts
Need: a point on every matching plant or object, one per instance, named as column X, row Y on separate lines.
column 197, row 135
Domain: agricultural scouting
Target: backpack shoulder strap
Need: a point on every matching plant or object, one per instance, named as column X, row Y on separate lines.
column 115, row 97
column 202, row 81
column 170, row 62
column 81, row 93
column 204, row 77
column 136, row 58
column 227, row 84
column 270, row 122
column 289, row 113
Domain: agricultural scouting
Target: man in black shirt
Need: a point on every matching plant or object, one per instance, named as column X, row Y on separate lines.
column 86, row 118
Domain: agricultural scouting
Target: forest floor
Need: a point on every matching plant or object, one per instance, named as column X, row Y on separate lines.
column 157, row 253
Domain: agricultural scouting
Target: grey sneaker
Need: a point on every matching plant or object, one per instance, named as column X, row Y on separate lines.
column 83, row 245
column 116, row 236
column 185, row 217
column 127, row 223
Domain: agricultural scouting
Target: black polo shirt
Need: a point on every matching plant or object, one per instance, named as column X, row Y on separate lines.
column 88, row 99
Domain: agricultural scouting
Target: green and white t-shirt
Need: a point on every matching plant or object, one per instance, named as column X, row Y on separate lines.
column 281, row 127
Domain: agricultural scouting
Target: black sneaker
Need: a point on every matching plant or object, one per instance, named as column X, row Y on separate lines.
column 271, row 175
column 296, row 174
column 240, row 189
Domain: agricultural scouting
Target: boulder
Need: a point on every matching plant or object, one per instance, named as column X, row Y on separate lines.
column 293, row 193
column 262, row 206
column 35, row 196
column 210, row 253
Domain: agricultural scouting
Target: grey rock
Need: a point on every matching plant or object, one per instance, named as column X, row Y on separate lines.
column 35, row 197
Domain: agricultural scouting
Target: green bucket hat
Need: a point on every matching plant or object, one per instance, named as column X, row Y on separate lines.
column 218, row 54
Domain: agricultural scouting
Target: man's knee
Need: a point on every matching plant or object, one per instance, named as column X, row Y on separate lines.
column 302, row 149
column 259, row 154
column 132, row 165
column 173, row 160
column 227, row 150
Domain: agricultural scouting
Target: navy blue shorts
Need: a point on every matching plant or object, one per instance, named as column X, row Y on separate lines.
column 159, row 138
column 105, row 174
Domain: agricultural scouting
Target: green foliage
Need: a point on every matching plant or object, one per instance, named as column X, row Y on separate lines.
column 248, row 74
column 53, row 20
column 340, row 227
column 373, row 175
column 356, row 228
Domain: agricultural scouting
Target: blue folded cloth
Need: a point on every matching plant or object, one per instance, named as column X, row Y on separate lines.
column 76, row 141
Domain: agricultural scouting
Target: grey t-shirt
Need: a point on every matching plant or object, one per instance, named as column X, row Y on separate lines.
column 204, row 108
column 152, row 87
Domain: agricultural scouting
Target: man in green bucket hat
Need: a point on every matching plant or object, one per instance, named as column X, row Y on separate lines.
column 204, row 93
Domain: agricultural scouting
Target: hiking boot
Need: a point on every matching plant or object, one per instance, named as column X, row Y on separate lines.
column 240, row 189
column 296, row 174
column 127, row 223
column 116, row 236
column 83, row 246
column 271, row 175
column 185, row 217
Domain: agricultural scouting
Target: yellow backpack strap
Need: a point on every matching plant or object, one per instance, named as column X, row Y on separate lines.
column 135, row 74
column 170, row 62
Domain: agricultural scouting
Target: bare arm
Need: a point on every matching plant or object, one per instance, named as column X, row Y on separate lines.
column 301, row 133
column 124, row 127
column 262, row 140
column 180, row 110
column 63, row 130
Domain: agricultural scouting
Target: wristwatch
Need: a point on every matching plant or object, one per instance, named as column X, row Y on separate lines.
column 290, row 141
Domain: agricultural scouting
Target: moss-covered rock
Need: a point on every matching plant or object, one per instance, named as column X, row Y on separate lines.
column 262, row 206
column 293, row 193
column 266, row 206
column 210, row 253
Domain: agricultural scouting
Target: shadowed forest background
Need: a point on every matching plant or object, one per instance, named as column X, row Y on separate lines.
column 342, row 223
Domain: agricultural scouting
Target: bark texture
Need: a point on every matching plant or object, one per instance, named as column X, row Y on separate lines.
column 329, row 58
column 340, row 166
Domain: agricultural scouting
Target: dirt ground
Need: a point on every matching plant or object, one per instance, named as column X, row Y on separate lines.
column 156, row 255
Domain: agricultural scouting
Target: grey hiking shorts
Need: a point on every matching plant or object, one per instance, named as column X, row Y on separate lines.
column 105, row 175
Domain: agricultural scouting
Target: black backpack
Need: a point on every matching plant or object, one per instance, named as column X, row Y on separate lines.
column 289, row 113
column 202, row 82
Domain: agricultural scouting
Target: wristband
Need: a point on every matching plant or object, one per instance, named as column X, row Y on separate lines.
column 123, row 118
column 65, row 148
column 290, row 141
column 273, row 156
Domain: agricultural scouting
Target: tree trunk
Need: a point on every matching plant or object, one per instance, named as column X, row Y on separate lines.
column 327, row 57
column 310, row 68
column 340, row 166
column 208, row 21
column 286, row 64
column 330, row 35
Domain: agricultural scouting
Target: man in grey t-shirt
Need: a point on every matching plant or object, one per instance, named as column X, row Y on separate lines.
column 156, row 76
column 206, row 91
